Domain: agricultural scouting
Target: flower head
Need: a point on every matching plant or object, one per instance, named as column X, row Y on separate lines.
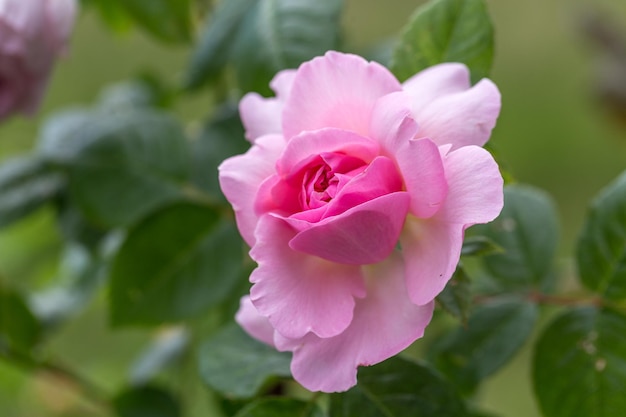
column 354, row 198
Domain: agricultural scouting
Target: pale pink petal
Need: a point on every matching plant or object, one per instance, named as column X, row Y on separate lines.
column 431, row 251
column 475, row 187
column 365, row 234
column 300, row 293
column 336, row 90
column 262, row 116
column 256, row 325
column 241, row 176
column 25, row 17
column 60, row 15
column 435, row 82
column 461, row 119
column 385, row 323
column 392, row 122
column 303, row 146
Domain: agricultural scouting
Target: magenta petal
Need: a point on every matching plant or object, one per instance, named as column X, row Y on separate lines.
column 300, row 293
column 431, row 251
column 365, row 234
column 336, row 90
column 262, row 116
column 475, row 187
column 241, row 177
column 392, row 122
column 461, row 119
column 435, row 82
column 384, row 324
column 252, row 322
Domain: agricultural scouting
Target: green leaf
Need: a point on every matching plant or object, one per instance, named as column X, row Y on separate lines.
column 214, row 47
column 479, row 246
column 446, row 31
column 280, row 407
column 168, row 345
column 280, row 34
column 456, row 297
column 168, row 20
column 222, row 137
column 120, row 165
column 601, row 252
column 398, row 388
column 492, row 336
column 146, row 401
column 175, row 264
column 237, row 366
column 527, row 230
column 26, row 183
column 579, row 367
column 19, row 328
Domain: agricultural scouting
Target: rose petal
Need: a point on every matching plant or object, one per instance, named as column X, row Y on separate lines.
column 436, row 82
column 336, row 90
column 385, row 323
column 241, row 177
column 300, row 293
column 60, row 15
column 262, row 116
column 365, row 234
column 392, row 122
column 256, row 325
column 461, row 119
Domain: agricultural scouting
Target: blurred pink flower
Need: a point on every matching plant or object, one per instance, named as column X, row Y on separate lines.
column 354, row 197
column 32, row 34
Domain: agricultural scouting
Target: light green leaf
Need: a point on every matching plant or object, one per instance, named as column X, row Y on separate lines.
column 601, row 252
column 167, row 346
column 237, row 366
column 176, row 263
column 579, row 367
column 398, row 388
column 446, row 31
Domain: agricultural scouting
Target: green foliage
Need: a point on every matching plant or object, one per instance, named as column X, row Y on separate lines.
column 237, row 366
column 579, row 367
column 398, row 388
column 456, row 296
column 601, row 250
column 147, row 401
column 167, row 346
column 19, row 328
column 280, row 407
column 446, row 31
column 494, row 333
column 189, row 263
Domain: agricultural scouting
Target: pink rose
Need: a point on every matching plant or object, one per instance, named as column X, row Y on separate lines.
column 354, row 197
column 32, row 34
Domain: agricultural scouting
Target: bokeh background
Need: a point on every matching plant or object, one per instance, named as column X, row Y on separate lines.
column 562, row 128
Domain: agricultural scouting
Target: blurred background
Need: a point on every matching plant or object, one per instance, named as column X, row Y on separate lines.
column 561, row 68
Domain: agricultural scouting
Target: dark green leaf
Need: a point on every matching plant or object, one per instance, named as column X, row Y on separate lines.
column 398, row 388
column 26, row 183
column 120, row 165
column 446, row 31
column 494, row 333
column 456, row 298
column 146, row 402
column 168, row 345
column 175, row 264
column 213, row 49
column 479, row 246
column 601, row 250
column 19, row 329
column 279, row 34
column 168, row 20
column 579, row 367
column 221, row 138
column 237, row 366
column 280, row 407
column 527, row 230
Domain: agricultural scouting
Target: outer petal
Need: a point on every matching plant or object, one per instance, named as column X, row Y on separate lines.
column 365, row 234
column 431, row 251
column 60, row 15
column 385, row 323
column 392, row 122
column 476, row 187
column 336, row 90
column 241, row 176
column 24, row 17
column 262, row 116
column 300, row 293
column 461, row 119
column 435, row 82
column 256, row 325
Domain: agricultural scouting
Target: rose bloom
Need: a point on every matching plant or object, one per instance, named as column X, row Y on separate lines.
column 32, row 34
column 354, row 198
